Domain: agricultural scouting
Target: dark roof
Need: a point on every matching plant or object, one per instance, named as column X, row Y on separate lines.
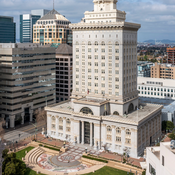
column 53, row 14
column 64, row 49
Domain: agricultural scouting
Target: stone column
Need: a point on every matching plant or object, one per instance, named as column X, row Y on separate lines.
column 31, row 115
column 134, row 141
column 113, row 137
column 12, row 121
column 123, row 138
column 82, row 142
column 22, row 116
column 103, row 134
column 57, row 125
column 49, row 123
column 64, row 127
column 72, row 133
column 90, row 133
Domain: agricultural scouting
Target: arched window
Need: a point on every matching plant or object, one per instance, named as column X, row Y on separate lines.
column 109, row 129
column 83, row 43
column 86, row 111
column 103, row 43
column 128, row 132
column 77, row 43
column 118, row 130
column 53, row 119
column 68, row 121
column 131, row 108
column 96, row 43
column 115, row 113
column 60, row 120
column 116, row 43
column 89, row 43
column 109, row 43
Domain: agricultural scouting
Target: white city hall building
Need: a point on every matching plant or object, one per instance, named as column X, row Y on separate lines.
column 103, row 108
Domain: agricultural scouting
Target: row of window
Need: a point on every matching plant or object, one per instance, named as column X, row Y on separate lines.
column 96, row 57
column 157, row 94
column 156, row 89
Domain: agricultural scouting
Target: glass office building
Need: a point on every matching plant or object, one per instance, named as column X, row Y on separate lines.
column 7, row 30
column 26, row 24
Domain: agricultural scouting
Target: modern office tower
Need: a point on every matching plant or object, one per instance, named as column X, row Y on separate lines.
column 40, row 12
column 170, row 56
column 7, row 30
column 103, row 111
column 27, row 81
column 52, row 28
column 64, row 66
column 144, row 68
column 26, row 24
column 166, row 71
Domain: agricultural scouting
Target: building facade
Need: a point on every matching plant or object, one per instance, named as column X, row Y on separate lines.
column 160, row 160
column 27, row 81
column 144, row 68
column 26, row 24
column 103, row 111
column 52, row 28
column 7, row 30
column 156, row 88
column 166, row 71
column 64, row 65
column 170, row 56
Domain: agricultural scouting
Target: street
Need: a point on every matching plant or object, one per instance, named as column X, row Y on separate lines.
column 26, row 131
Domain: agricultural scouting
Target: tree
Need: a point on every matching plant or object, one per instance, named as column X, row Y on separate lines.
column 170, row 125
column 167, row 125
column 172, row 135
column 11, row 165
column 2, row 132
column 41, row 115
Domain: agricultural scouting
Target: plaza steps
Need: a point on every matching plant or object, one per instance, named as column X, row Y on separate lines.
column 33, row 155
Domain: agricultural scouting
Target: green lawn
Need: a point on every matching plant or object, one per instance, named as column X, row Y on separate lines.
column 109, row 171
column 21, row 154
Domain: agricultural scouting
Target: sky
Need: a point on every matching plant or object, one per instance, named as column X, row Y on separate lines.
column 157, row 17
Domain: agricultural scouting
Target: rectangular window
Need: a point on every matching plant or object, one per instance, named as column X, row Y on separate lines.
column 163, row 161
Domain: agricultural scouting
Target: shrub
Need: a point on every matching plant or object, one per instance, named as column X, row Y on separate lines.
column 92, row 158
column 55, row 149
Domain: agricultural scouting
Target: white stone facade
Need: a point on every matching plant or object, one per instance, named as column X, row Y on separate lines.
column 103, row 108
column 156, row 88
column 160, row 160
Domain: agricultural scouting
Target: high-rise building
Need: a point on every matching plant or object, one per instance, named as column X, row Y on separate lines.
column 52, row 28
column 7, row 30
column 26, row 24
column 166, row 71
column 170, row 56
column 27, row 81
column 64, row 75
column 103, row 110
column 144, row 68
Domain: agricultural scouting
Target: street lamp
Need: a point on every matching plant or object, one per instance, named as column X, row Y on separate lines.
column 86, row 150
column 19, row 136
column 64, row 144
column 36, row 129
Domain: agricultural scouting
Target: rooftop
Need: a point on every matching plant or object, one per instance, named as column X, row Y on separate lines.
column 135, row 117
column 169, row 83
column 169, row 105
column 53, row 14
column 64, row 49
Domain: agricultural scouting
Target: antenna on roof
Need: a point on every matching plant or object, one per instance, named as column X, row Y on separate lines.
column 53, row 4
